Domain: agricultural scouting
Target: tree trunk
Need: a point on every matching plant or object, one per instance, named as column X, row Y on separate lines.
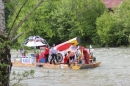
column 5, row 56
column 5, row 65
column 2, row 18
column 5, row 43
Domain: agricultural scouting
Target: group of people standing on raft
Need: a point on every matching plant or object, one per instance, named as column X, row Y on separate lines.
column 80, row 56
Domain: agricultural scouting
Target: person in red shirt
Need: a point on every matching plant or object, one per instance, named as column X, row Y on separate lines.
column 86, row 55
column 66, row 60
column 42, row 55
column 46, row 54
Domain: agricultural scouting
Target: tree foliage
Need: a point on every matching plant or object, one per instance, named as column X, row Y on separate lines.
column 75, row 18
column 61, row 20
column 113, row 28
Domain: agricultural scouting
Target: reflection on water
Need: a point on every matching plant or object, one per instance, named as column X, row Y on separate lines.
column 113, row 71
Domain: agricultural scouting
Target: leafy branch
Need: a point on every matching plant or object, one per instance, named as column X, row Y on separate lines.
column 23, row 20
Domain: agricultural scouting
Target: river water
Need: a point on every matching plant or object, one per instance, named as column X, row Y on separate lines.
column 113, row 71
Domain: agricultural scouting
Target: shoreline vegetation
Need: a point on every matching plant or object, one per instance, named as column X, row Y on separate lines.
column 60, row 21
column 87, row 46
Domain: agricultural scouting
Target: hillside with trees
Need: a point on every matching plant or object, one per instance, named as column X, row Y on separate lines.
column 60, row 20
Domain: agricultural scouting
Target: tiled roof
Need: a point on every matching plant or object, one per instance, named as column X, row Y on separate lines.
column 112, row 3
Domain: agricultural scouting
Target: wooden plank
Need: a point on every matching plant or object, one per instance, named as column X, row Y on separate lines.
column 23, row 65
column 62, row 66
column 93, row 65
column 86, row 66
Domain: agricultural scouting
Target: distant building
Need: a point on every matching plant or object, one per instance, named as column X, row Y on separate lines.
column 112, row 3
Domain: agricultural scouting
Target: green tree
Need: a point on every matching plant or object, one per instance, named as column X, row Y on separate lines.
column 70, row 18
column 61, row 20
column 34, row 25
column 88, row 11
column 105, row 28
column 122, row 17
column 7, row 38
column 113, row 28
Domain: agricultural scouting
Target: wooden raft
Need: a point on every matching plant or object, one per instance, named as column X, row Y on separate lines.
column 61, row 66
column 44, row 65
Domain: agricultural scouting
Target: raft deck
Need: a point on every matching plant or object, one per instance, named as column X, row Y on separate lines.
column 62, row 66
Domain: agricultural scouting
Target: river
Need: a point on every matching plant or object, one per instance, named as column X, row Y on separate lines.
column 113, row 71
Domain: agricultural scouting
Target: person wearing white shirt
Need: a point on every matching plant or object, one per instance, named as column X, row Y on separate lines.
column 53, row 53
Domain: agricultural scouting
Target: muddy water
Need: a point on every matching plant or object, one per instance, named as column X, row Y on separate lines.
column 113, row 71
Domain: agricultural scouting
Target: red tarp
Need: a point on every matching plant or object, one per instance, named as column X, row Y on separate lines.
column 63, row 46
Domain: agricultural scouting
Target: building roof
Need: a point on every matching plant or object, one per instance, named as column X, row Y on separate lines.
column 112, row 3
